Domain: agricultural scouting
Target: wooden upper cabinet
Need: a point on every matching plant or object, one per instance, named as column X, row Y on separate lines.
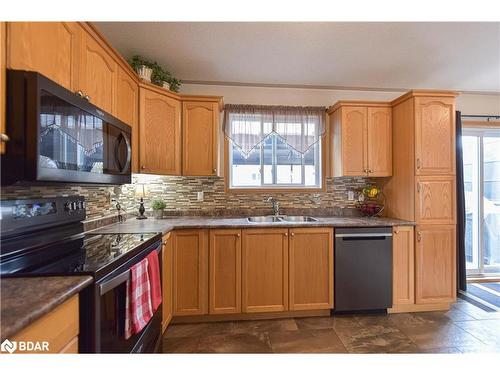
column 403, row 266
column 265, row 270
column 167, row 280
column 98, row 73
column 50, row 48
column 379, row 144
column 354, row 157
column 311, row 268
column 361, row 139
column 190, row 272
column 200, row 123
column 435, row 200
column 127, row 110
column 159, row 133
column 225, row 271
column 434, row 136
column 435, row 270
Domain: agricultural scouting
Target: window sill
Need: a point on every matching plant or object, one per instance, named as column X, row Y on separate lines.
column 256, row 190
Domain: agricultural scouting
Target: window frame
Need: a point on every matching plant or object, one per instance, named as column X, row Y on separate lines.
column 276, row 188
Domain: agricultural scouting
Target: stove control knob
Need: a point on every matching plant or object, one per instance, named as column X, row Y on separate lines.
column 74, row 205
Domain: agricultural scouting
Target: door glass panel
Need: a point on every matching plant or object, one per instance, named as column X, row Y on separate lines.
column 471, row 182
column 491, row 202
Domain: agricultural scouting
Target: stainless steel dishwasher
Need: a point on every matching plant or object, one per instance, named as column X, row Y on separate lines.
column 363, row 269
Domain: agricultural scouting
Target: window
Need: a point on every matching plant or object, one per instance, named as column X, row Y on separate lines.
column 481, row 152
column 274, row 164
column 274, row 147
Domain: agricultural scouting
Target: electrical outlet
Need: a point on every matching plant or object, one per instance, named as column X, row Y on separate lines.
column 350, row 195
column 200, row 196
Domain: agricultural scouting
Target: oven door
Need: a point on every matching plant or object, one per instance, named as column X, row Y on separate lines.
column 111, row 315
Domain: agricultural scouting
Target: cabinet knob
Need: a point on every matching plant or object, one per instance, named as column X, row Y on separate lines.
column 214, row 170
column 143, row 167
column 292, row 234
column 4, row 137
column 286, row 234
column 79, row 93
column 419, row 236
column 87, row 98
column 238, row 235
column 418, row 163
column 370, row 171
column 396, row 231
column 165, row 243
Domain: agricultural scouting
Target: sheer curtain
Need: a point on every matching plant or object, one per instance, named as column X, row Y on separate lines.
column 248, row 125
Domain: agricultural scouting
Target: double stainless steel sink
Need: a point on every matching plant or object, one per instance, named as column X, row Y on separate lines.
column 281, row 219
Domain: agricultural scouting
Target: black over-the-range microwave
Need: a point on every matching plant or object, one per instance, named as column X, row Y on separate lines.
column 58, row 136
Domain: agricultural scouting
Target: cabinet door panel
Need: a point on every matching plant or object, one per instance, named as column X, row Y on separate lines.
column 354, row 134
column 50, row 48
column 379, row 142
column 265, row 270
column 98, row 73
column 435, row 200
column 190, row 272
column 403, row 263
column 311, row 268
column 167, row 279
column 160, row 133
column 127, row 110
column 435, row 264
column 435, row 136
column 200, row 122
column 225, row 271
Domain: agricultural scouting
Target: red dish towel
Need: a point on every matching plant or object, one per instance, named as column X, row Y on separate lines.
column 154, row 279
column 138, row 303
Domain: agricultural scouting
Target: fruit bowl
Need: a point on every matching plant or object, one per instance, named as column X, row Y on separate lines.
column 371, row 209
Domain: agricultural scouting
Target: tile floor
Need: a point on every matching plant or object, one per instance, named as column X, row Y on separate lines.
column 463, row 329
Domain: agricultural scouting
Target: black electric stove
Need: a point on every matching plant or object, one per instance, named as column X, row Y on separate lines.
column 44, row 237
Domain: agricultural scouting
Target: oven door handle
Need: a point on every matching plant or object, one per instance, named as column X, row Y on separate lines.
column 114, row 282
column 108, row 285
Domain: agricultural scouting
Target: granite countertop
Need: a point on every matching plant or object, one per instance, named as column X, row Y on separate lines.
column 26, row 299
column 165, row 225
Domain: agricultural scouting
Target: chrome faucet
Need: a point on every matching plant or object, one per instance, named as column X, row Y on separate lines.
column 276, row 205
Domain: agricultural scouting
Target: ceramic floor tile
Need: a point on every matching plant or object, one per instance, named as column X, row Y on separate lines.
column 198, row 329
column 235, row 343
column 488, row 331
column 180, row 345
column 269, row 325
column 310, row 341
column 376, row 339
column 439, row 335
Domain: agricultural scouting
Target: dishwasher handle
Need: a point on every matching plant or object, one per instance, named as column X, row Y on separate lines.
column 348, row 236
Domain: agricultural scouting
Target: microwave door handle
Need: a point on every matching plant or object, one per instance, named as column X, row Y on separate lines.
column 108, row 285
column 129, row 153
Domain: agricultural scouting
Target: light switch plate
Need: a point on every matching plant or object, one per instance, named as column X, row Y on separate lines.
column 350, row 195
column 200, row 196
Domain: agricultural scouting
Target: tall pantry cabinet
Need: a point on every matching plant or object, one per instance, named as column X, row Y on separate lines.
column 422, row 189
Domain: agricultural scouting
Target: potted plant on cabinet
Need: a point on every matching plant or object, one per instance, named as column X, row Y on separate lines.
column 143, row 67
column 158, row 205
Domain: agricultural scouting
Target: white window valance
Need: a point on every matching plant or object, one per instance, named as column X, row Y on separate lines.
column 248, row 125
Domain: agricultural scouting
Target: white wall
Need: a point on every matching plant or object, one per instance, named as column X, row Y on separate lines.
column 467, row 103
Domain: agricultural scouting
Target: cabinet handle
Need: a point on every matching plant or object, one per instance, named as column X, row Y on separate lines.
column 419, row 236
column 418, row 187
column 418, row 163
column 4, row 137
column 79, row 93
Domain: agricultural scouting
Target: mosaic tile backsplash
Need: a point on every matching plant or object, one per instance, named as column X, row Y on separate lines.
column 180, row 195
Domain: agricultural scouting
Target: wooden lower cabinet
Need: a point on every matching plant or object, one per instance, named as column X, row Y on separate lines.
column 190, row 248
column 225, row 271
column 311, row 268
column 167, row 279
column 60, row 328
column 403, row 266
column 435, row 200
column 435, row 272
column 265, row 270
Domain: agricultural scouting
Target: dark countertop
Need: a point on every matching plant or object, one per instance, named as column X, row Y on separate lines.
column 26, row 299
column 133, row 225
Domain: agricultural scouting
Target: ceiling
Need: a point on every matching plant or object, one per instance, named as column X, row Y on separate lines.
column 458, row 56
